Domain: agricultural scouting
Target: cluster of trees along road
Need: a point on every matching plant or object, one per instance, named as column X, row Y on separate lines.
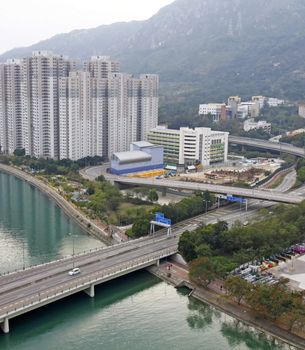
column 276, row 302
column 214, row 250
column 105, row 201
column 224, row 249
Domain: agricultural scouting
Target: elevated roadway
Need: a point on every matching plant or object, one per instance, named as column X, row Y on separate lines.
column 26, row 290
column 29, row 289
column 32, row 288
column 268, row 145
column 192, row 186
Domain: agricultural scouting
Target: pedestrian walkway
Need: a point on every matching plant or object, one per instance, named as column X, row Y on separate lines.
column 177, row 275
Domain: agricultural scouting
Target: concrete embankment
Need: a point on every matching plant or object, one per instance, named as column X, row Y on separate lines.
column 177, row 275
column 86, row 224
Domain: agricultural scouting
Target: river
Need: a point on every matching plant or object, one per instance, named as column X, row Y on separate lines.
column 136, row 312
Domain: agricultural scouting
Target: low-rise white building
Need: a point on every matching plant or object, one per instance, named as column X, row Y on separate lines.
column 251, row 124
column 252, row 107
column 274, row 102
column 213, row 109
column 302, row 110
column 190, row 146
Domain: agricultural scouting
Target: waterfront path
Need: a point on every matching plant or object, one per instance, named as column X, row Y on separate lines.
column 79, row 217
column 216, row 297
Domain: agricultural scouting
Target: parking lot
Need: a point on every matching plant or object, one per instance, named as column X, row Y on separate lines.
column 294, row 270
column 290, row 263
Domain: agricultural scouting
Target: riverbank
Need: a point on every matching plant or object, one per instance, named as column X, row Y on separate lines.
column 177, row 275
column 85, row 223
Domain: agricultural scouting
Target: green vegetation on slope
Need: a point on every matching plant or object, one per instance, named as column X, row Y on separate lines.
column 199, row 59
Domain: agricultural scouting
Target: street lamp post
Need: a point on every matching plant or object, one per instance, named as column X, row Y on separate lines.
column 23, row 260
column 73, row 251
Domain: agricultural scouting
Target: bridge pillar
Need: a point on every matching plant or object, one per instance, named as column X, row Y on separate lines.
column 5, row 326
column 90, row 291
column 158, row 263
column 164, row 192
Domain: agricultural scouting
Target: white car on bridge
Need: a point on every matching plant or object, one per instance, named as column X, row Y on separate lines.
column 75, row 271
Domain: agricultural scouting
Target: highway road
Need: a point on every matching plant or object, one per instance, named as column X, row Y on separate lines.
column 287, row 183
column 268, row 145
column 261, row 194
column 192, row 186
column 23, row 288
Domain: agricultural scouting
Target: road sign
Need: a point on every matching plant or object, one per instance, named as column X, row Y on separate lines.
column 236, row 199
column 159, row 217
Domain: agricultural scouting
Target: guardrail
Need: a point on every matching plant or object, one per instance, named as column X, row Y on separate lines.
column 81, row 283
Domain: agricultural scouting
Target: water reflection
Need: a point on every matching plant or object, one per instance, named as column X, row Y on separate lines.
column 201, row 315
column 33, row 226
column 238, row 335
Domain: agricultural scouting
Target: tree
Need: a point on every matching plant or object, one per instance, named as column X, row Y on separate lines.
column 204, row 250
column 19, row 152
column 204, row 270
column 301, row 174
column 140, row 227
column 186, row 246
column 101, row 178
column 237, row 287
column 90, row 189
column 153, row 196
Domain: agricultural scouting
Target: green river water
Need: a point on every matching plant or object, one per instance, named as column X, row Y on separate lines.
column 136, row 312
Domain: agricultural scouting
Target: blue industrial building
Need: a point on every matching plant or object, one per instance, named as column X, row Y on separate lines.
column 143, row 156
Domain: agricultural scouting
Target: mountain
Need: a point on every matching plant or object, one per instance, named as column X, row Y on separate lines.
column 204, row 50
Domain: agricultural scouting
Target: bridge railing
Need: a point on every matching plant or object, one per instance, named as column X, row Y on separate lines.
column 56, row 262
column 78, row 284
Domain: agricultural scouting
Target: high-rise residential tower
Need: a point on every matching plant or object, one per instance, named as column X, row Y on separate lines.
column 45, row 69
column 54, row 111
column 149, row 95
column 11, row 135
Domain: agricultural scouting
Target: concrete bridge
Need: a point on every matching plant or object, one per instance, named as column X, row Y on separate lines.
column 247, row 193
column 268, row 145
column 267, row 195
column 35, row 287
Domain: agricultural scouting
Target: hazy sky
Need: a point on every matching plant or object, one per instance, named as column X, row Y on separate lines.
column 24, row 22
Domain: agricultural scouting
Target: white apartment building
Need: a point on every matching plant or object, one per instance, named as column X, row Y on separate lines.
column 191, row 145
column 11, row 135
column 274, row 102
column 132, row 109
column 250, row 124
column 252, row 108
column 101, row 66
column 41, row 73
column 213, row 109
column 77, row 121
column 149, row 94
column 53, row 111
column 123, row 112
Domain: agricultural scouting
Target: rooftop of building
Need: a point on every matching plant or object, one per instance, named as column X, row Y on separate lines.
column 131, row 157
column 143, row 144
column 202, row 130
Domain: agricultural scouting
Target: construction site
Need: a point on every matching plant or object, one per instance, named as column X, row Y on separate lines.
column 248, row 172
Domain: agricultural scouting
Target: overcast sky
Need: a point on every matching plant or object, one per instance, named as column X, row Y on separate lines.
column 24, row 22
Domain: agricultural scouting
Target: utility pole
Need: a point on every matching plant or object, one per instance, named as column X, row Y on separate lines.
column 73, row 251
column 23, row 260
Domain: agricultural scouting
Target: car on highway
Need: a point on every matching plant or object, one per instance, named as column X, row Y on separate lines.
column 74, row 271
